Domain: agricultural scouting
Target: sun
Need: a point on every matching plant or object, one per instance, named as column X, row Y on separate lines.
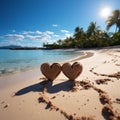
column 105, row 12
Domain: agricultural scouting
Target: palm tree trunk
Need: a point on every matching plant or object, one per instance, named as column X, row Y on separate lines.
column 116, row 29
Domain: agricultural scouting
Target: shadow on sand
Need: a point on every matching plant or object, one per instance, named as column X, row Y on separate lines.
column 64, row 86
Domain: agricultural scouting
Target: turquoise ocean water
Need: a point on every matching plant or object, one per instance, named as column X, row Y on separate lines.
column 12, row 61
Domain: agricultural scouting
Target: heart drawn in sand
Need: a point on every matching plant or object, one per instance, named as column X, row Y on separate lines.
column 51, row 71
column 72, row 71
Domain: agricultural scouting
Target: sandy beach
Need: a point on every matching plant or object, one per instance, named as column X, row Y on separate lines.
column 94, row 95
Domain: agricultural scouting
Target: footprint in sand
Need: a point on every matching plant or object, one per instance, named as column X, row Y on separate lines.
column 7, row 105
column 4, row 105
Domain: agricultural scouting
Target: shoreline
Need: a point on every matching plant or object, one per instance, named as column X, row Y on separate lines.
column 94, row 93
column 87, row 54
column 5, row 82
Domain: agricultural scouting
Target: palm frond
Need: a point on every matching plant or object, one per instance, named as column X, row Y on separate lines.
column 114, row 19
column 116, row 13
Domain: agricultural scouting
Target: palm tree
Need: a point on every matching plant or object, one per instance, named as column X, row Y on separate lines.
column 60, row 42
column 91, row 29
column 79, row 35
column 92, row 34
column 114, row 20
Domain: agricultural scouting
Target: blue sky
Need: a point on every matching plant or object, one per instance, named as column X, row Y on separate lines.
column 32, row 22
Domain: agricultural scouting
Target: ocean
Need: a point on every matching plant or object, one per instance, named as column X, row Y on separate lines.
column 12, row 61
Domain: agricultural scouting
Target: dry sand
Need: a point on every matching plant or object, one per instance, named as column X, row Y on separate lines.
column 94, row 95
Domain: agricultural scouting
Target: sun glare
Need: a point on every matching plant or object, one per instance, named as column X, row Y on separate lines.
column 105, row 12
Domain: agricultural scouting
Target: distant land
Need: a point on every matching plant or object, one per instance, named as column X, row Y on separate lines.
column 17, row 47
column 10, row 46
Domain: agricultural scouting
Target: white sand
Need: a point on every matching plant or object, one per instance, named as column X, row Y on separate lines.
column 25, row 104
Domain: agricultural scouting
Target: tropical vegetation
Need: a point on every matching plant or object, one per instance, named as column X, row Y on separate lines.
column 93, row 37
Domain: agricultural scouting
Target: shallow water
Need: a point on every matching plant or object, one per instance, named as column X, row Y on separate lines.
column 12, row 61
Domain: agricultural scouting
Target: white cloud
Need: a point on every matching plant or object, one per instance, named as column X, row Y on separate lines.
column 32, row 37
column 55, row 25
column 68, row 35
column 27, row 32
column 38, row 37
column 14, row 36
column 45, row 37
column 38, row 32
column 49, row 32
column 56, row 36
column 64, row 31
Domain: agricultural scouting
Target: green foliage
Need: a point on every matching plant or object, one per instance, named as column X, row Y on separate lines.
column 115, row 39
column 79, row 36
